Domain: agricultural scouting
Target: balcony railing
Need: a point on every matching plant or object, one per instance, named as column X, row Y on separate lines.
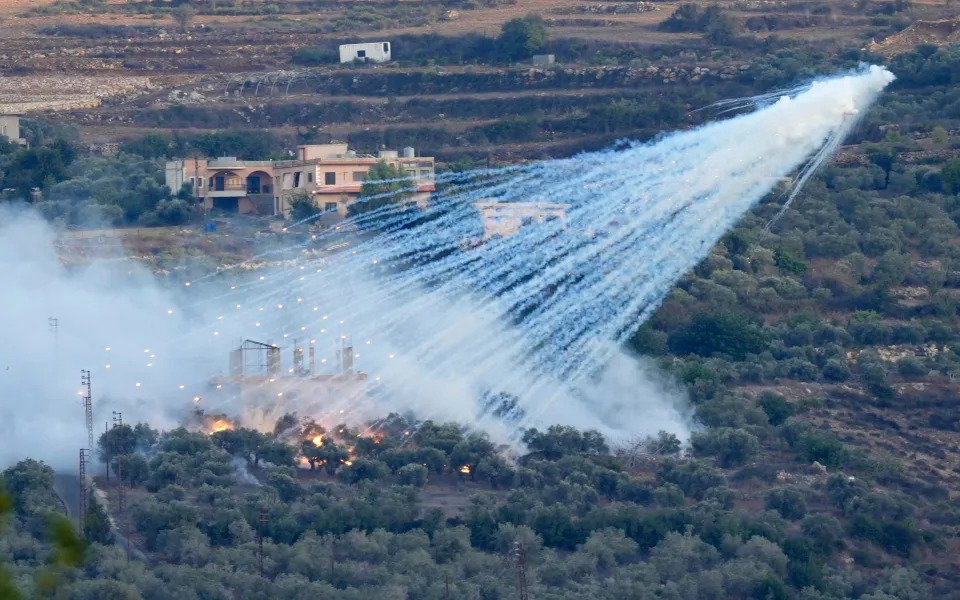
column 228, row 187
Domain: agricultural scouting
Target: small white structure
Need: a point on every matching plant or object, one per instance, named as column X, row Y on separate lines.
column 10, row 129
column 542, row 60
column 367, row 51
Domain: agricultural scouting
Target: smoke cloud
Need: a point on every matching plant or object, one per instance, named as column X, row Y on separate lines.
column 500, row 335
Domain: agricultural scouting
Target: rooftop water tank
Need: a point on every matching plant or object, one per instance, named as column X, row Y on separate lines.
column 409, row 152
column 387, row 154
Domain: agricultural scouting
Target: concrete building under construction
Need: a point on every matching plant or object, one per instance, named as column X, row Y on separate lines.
column 257, row 376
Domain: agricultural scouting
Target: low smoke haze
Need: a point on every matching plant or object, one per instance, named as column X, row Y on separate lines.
column 130, row 330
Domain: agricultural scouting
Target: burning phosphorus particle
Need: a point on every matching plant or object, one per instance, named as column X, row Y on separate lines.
column 465, row 469
column 220, row 425
column 318, row 440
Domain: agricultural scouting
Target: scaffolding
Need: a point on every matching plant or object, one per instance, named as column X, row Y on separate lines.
column 254, row 358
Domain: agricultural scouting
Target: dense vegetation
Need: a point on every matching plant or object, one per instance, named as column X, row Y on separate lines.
column 820, row 360
column 363, row 519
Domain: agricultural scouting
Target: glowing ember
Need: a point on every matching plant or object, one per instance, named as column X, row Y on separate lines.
column 318, row 441
column 220, row 425
column 465, row 469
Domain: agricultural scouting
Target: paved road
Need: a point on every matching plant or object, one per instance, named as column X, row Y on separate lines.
column 68, row 488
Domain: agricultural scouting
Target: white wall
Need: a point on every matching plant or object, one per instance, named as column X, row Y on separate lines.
column 10, row 127
column 174, row 175
column 372, row 51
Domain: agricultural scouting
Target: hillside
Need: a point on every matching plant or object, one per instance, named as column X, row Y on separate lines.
column 821, row 359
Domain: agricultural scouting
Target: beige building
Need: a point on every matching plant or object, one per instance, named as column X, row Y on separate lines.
column 10, row 129
column 506, row 218
column 331, row 174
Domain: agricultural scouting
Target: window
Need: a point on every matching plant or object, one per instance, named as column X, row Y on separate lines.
column 330, row 207
column 359, row 176
column 296, row 179
column 330, row 178
column 266, row 189
column 386, row 46
column 361, row 53
column 309, row 177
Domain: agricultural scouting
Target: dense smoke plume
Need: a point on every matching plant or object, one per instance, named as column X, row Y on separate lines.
column 500, row 335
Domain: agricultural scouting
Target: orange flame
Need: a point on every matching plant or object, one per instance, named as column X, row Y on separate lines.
column 318, row 441
column 465, row 469
column 220, row 425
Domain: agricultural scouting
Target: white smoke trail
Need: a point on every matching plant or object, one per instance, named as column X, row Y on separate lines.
column 440, row 324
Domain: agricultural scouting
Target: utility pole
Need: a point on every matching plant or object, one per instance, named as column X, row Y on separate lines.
column 87, row 406
column 446, row 586
column 82, row 501
column 521, row 570
column 262, row 522
column 121, row 490
column 106, row 446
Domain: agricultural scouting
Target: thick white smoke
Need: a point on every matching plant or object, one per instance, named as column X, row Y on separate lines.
column 106, row 305
column 535, row 320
